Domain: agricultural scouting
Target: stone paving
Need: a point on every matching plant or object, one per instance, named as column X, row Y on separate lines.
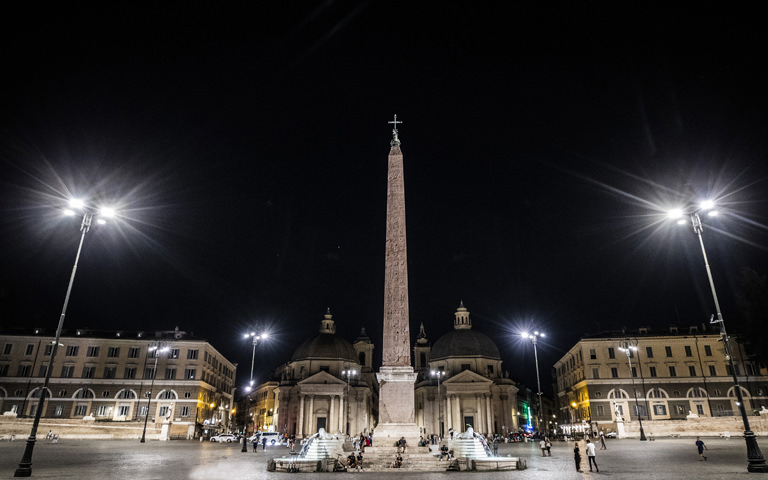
column 176, row 460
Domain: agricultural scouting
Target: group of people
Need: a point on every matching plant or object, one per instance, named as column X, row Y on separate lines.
column 546, row 447
column 591, row 457
column 355, row 461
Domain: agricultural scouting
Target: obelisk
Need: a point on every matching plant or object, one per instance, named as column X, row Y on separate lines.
column 396, row 376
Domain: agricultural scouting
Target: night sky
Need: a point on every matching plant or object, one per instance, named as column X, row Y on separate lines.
column 246, row 150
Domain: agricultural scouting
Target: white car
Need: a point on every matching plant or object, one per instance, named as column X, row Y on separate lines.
column 610, row 435
column 224, row 437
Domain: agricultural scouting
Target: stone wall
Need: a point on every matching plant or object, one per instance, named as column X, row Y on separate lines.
column 77, row 428
column 691, row 427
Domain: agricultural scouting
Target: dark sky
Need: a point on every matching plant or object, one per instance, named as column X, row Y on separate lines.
column 247, row 153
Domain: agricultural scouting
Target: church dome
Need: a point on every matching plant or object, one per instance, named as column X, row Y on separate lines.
column 463, row 341
column 326, row 345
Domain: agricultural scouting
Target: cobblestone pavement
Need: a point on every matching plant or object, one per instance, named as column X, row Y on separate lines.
column 177, row 460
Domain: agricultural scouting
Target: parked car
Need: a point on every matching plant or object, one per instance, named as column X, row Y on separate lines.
column 273, row 438
column 610, row 435
column 224, row 437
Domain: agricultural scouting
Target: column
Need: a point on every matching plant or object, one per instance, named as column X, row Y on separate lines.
column 311, row 415
column 300, row 424
column 489, row 413
column 342, row 415
column 448, row 414
column 331, row 414
column 479, row 420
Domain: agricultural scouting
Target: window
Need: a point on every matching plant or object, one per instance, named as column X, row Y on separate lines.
column 184, row 411
column 113, row 352
column 43, row 370
column 72, row 350
column 189, row 374
column 83, row 393
column 170, row 373
column 634, row 372
column 102, row 411
column 688, row 352
column 126, row 394
column 93, row 351
column 130, row 372
column 700, row 409
column 600, row 411
column 750, row 370
column 680, row 410
column 659, row 409
column 614, row 372
column 592, row 354
column 134, row 352
column 595, row 373
column 668, row 350
column 149, row 372
column 649, row 352
column 672, row 371
column 707, row 350
column 48, row 350
column 164, row 410
column 19, row 393
column 62, row 393
column 81, row 410
column 716, row 392
column 192, row 354
column 611, row 352
column 676, row 393
column 598, row 394
column 123, row 410
column 691, row 370
column 187, row 395
column 167, row 395
column 109, row 372
column 105, row 394
column 4, row 370
column 174, row 353
column 88, row 372
column 24, row 370
column 58, row 411
column 712, row 371
column 30, row 349
column 7, row 348
column 490, row 369
column 143, row 409
column 67, row 371
column 639, row 410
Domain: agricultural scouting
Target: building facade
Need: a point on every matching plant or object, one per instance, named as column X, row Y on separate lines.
column 110, row 376
column 657, row 375
column 328, row 383
column 472, row 389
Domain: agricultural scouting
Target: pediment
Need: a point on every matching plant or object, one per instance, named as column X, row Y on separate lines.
column 322, row 378
column 467, row 376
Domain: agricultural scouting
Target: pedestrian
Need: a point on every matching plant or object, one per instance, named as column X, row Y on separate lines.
column 264, row 443
column 577, row 456
column 548, row 444
column 602, row 440
column 495, row 447
column 543, row 447
column 444, row 452
column 700, row 445
column 255, row 444
column 591, row 456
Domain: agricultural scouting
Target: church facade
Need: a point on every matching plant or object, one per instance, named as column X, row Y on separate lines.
column 461, row 382
column 328, row 383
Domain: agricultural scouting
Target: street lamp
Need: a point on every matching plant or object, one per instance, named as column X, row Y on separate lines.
column 348, row 373
column 25, row 466
column 255, row 341
column 157, row 348
column 534, row 339
column 439, row 374
column 756, row 461
column 628, row 348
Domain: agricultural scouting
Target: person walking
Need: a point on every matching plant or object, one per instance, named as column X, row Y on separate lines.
column 591, row 456
column 602, row 440
column 577, row 456
column 264, row 443
column 548, row 445
column 543, row 447
column 701, row 447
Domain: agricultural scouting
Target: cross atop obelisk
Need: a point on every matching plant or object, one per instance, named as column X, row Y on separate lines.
column 396, row 376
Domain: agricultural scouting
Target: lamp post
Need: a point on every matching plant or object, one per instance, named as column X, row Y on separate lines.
column 254, row 341
column 756, row 461
column 348, row 373
column 439, row 374
column 157, row 348
column 25, row 466
column 628, row 348
column 534, row 339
